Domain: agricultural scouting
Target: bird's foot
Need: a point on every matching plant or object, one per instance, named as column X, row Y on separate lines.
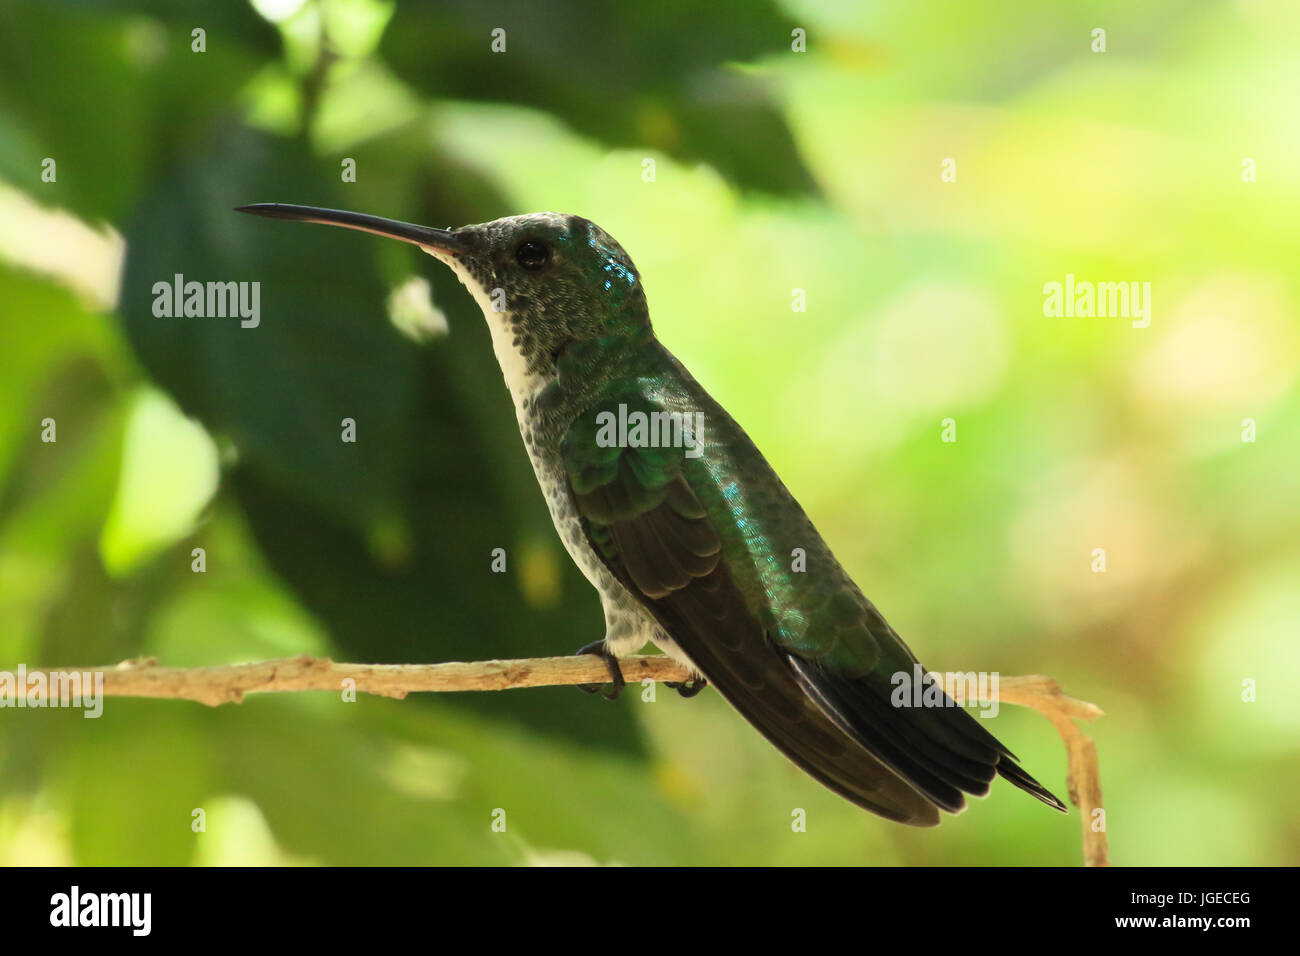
column 688, row 688
column 615, row 687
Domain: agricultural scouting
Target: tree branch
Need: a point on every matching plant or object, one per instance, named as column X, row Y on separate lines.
column 228, row 684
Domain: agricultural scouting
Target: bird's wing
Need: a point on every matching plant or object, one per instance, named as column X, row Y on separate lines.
column 642, row 513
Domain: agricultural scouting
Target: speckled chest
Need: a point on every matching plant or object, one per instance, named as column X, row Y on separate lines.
column 542, row 442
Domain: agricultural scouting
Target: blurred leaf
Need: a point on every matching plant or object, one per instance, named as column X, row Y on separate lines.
column 150, row 100
column 321, row 353
column 169, row 472
column 132, row 782
column 650, row 76
column 554, row 795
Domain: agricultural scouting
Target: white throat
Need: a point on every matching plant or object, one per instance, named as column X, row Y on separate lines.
column 521, row 383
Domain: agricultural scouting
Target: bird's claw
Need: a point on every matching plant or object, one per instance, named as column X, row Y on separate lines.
column 688, row 688
column 614, row 688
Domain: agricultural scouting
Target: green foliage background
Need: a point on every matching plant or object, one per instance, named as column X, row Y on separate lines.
column 775, row 170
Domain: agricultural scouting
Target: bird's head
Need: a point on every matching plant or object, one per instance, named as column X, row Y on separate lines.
column 543, row 280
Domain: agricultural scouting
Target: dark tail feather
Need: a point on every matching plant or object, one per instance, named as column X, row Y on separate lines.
column 1011, row 771
column 942, row 751
column 758, row 682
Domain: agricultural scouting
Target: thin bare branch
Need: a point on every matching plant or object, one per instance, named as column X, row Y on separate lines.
column 229, row 683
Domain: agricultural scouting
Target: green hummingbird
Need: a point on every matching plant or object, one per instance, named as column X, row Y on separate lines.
column 685, row 530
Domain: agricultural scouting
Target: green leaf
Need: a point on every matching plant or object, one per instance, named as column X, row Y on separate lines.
column 653, row 76
column 322, row 350
column 113, row 96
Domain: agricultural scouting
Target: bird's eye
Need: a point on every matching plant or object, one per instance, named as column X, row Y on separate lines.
column 532, row 255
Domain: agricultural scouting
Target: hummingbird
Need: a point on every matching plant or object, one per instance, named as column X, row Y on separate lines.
column 685, row 530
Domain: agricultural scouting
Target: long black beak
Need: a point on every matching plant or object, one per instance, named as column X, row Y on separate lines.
column 441, row 239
